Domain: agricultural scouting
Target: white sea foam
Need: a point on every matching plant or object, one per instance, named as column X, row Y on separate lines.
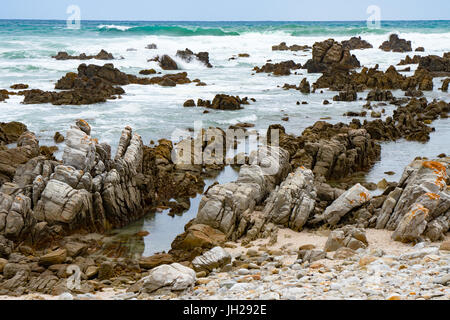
column 113, row 26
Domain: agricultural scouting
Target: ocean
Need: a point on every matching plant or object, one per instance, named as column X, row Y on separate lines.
column 155, row 112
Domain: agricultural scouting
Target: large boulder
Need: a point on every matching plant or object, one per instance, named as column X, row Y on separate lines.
column 353, row 198
column 173, row 277
column 167, row 63
column 293, row 202
column 330, row 53
column 424, row 205
column 213, row 259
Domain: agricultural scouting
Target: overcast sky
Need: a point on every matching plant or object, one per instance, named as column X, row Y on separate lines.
column 229, row 10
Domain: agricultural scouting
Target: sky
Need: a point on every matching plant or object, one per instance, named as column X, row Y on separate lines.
column 229, row 10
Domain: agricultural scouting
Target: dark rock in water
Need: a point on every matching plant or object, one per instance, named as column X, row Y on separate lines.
column 94, row 84
column 325, row 102
column 189, row 103
column 420, row 49
column 283, row 47
column 220, row 102
column 355, row 114
column 380, row 95
column 338, row 79
column 19, row 86
column 348, row 95
column 147, row 71
column 167, row 63
column 438, row 66
column 396, row 44
column 330, row 53
column 102, row 55
column 445, row 84
column 226, row 102
column 11, row 131
column 409, row 60
column 304, row 86
column 356, row 43
column 413, row 93
column 167, row 82
column 4, row 94
column 151, row 46
column 279, row 69
column 325, row 149
column 188, row 55
column 203, row 103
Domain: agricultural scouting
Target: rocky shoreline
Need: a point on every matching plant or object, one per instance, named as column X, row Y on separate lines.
column 55, row 215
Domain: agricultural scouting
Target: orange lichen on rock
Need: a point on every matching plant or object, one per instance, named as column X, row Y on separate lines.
column 433, row 196
column 439, row 169
column 363, row 197
column 420, row 209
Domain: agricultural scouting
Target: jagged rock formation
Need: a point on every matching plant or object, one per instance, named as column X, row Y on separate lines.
column 166, row 62
column 228, row 207
column 420, row 206
column 338, row 79
column 278, row 69
column 380, row 95
column 330, row 53
column 88, row 190
column 346, row 237
column 331, row 151
column 295, row 47
column 188, row 55
column 438, row 66
column 356, row 43
column 347, row 95
column 102, row 55
column 409, row 60
column 95, row 84
column 293, row 202
column 396, row 44
column 354, row 197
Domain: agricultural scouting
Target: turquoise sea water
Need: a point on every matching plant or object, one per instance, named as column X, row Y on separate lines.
column 218, row 28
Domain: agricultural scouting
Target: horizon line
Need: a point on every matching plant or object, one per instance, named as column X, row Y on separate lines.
column 94, row 20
